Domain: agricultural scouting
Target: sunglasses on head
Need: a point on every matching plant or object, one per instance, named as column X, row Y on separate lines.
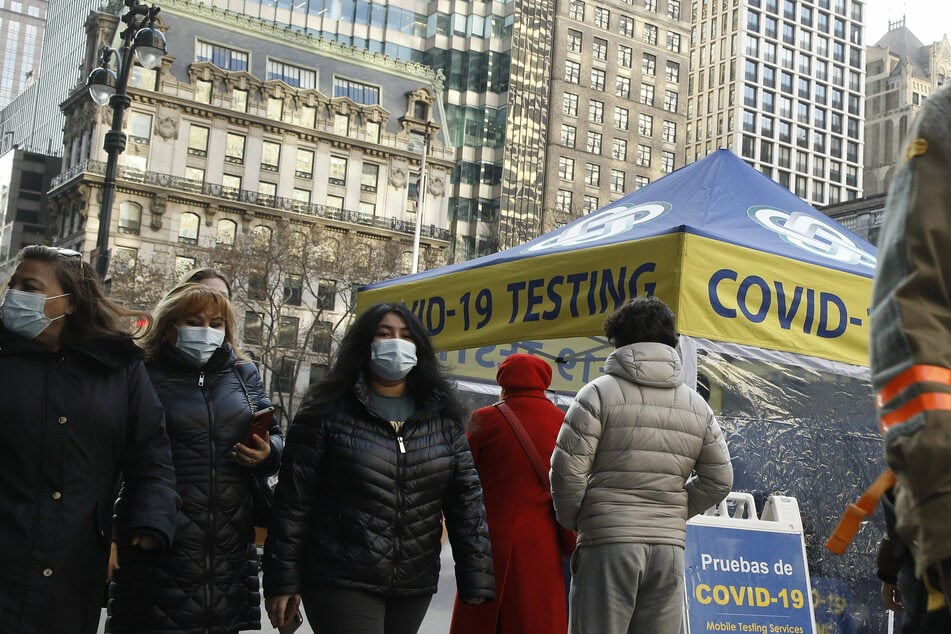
column 68, row 253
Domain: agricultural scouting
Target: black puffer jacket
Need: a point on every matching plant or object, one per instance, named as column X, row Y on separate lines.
column 208, row 581
column 72, row 420
column 353, row 510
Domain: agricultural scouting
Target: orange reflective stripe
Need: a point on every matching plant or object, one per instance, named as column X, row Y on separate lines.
column 855, row 513
column 922, row 403
column 914, row 374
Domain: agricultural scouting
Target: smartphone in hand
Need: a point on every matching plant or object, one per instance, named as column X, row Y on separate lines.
column 260, row 424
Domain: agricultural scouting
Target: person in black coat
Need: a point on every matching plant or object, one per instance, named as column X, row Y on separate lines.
column 208, row 582
column 79, row 411
column 375, row 458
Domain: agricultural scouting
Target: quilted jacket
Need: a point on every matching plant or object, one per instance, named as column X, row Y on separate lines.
column 208, row 582
column 622, row 465
column 360, row 506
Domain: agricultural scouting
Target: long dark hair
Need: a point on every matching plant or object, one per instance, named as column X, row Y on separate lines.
column 94, row 314
column 351, row 362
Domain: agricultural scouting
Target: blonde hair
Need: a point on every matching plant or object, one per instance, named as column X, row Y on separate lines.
column 180, row 302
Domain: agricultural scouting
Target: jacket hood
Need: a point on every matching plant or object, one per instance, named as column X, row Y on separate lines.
column 522, row 373
column 112, row 352
column 652, row 364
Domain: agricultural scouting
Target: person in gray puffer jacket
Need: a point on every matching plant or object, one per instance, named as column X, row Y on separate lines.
column 638, row 454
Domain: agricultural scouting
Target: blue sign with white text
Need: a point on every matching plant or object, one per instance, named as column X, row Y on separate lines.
column 742, row 580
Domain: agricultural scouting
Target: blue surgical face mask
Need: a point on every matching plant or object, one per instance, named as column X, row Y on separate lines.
column 198, row 343
column 22, row 312
column 392, row 359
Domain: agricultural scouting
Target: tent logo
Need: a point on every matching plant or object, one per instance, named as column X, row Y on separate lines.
column 813, row 235
column 606, row 223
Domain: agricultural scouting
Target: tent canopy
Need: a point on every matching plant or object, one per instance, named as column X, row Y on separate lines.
column 738, row 258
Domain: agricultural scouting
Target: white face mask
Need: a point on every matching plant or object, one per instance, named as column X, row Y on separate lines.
column 22, row 312
column 392, row 359
column 198, row 343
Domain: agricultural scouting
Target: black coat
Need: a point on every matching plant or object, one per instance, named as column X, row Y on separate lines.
column 352, row 510
column 208, row 581
column 72, row 420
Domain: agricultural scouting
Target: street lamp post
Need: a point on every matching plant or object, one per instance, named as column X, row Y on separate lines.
column 147, row 44
column 420, row 199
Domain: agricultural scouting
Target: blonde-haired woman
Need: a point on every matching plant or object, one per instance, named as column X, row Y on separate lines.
column 208, row 582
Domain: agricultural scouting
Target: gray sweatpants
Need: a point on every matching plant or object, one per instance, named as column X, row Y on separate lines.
column 626, row 589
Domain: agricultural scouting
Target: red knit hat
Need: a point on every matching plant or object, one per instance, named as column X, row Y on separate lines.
column 523, row 372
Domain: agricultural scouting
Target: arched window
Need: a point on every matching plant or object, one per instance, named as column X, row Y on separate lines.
column 227, row 230
column 261, row 238
column 130, row 217
column 188, row 228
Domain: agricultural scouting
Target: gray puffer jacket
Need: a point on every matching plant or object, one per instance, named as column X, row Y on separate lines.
column 621, row 469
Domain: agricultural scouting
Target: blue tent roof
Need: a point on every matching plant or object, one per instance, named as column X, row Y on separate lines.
column 719, row 196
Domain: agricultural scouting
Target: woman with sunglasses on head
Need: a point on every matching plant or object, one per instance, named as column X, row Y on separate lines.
column 79, row 413
column 375, row 459
column 208, row 581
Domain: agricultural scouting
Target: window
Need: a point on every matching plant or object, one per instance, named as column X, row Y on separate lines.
column 593, row 144
column 647, row 94
column 197, row 140
column 576, row 10
column 592, row 174
column 602, row 18
column 670, row 100
column 322, row 337
column 304, row 165
column 282, row 376
column 357, row 91
column 643, row 155
column 673, row 72
column 641, row 181
column 234, row 148
column 575, row 41
column 275, row 108
column 650, row 33
column 326, row 294
column 261, row 238
column 194, row 178
column 569, row 104
column 341, row 124
column 572, row 72
column 338, row 170
column 566, row 168
column 230, row 186
column 645, row 124
column 130, row 217
column 293, row 287
column 257, row 286
column 266, row 192
column 649, row 64
column 140, row 127
column 670, row 132
column 271, row 156
column 651, row 5
column 188, row 228
column 253, row 327
column 625, row 56
column 673, row 9
column 590, row 203
column 239, row 100
column 301, row 198
column 372, row 132
column 622, row 87
column 619, row 150
column 621, row 116
column 568, row 133
column 563, row 200
column 617, row 181
column 666, row 161
column 227, row 230
column 596, row 111
column 599, row 49
column 202, row 91
column 673, row 41
column 221, row 56
column 370, row 177
column 291, row 75
column 597, row 79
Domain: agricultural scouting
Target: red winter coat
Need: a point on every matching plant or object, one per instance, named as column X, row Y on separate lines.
column 529, row 581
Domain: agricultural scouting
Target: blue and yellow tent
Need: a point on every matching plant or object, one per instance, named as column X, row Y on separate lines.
column 738, row 258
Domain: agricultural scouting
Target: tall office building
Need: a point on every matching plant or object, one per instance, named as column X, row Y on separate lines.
column 901, row 74
column 21, row 40
column 33, row 119
column 781, row 83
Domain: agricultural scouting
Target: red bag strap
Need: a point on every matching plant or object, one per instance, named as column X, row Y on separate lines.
column 533, row 456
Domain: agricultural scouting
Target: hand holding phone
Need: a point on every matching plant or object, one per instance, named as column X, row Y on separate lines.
column 260, row 425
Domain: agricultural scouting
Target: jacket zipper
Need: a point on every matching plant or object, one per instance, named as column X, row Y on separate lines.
column 212, row 500
column 398, row 429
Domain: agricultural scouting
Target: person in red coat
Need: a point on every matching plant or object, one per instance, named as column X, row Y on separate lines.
column 526, row 547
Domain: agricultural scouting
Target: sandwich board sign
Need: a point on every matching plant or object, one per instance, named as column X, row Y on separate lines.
column 745, row 574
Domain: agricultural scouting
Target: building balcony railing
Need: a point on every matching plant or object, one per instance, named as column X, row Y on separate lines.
column 178, row 183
